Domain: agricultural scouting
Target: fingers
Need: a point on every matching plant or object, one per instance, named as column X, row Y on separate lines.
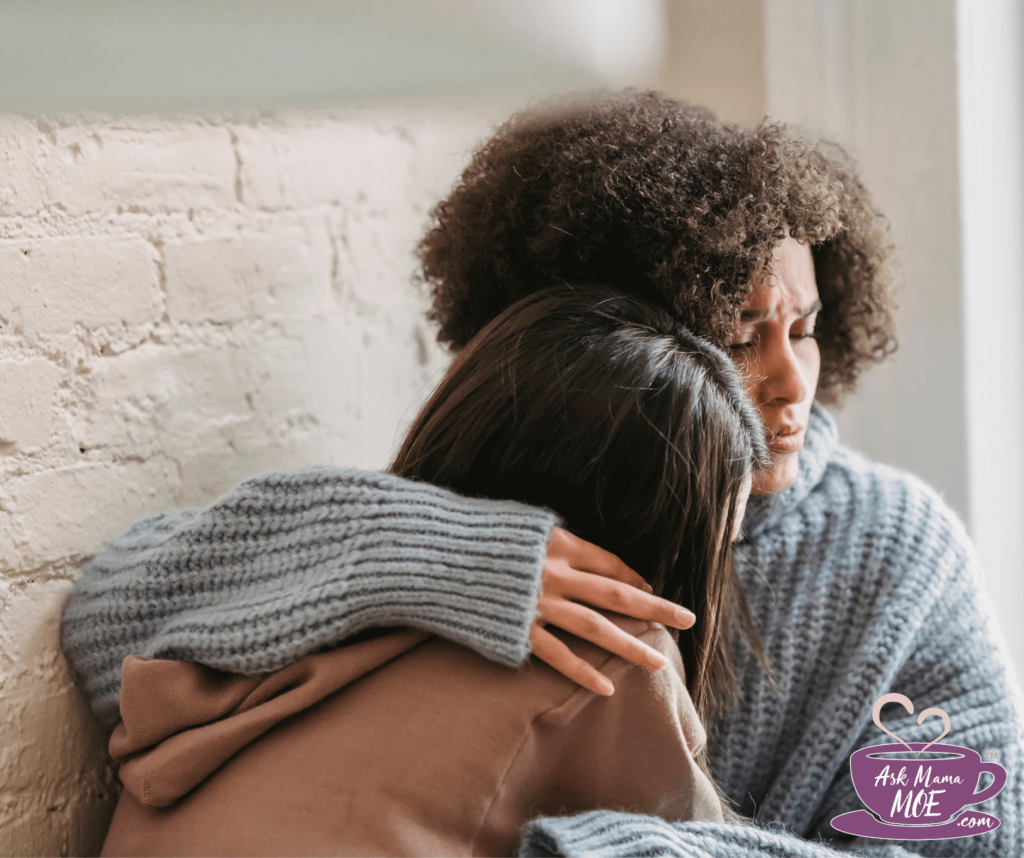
column 578, row 574
column 550, row 649
column 591, row 626
column 565, row 583
column 588, row 557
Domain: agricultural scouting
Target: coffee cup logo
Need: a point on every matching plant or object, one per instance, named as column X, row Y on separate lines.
column 917, row 790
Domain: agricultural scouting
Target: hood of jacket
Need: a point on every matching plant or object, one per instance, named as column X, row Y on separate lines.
column 181, row 722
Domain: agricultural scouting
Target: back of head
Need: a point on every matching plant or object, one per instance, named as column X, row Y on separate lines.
column 605, row 409
column 661, row 200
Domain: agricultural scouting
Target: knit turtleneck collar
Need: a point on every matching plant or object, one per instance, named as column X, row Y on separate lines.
column 819, row 443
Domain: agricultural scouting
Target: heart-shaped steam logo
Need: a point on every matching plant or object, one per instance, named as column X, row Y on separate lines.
column 876, row 716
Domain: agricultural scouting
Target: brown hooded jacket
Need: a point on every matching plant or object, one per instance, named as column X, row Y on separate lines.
column 400, row 743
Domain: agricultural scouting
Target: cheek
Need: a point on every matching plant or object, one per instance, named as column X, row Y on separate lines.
column 780, row 475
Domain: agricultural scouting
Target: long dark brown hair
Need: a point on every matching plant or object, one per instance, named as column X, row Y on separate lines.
column 603, row 408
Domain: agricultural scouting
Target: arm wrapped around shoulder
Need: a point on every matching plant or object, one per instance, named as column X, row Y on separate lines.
column 290, row 563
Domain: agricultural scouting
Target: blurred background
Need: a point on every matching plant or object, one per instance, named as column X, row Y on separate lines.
column 207, row 219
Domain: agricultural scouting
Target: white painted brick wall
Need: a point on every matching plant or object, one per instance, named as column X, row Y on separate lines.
column 184, row 303
column 50, row 286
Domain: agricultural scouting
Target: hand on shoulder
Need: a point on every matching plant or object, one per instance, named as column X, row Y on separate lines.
column 579, row 576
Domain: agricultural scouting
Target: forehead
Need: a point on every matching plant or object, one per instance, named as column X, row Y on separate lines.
column 791, row 286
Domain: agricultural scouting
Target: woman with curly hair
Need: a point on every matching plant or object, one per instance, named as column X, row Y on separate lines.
column 640, row 190
column 860, row 580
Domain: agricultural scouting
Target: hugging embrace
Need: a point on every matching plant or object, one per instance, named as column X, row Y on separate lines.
column 648, row 309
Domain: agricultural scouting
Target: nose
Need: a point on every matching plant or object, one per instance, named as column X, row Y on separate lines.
column 783, row 380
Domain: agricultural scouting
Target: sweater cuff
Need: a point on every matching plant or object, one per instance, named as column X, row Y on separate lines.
column 491, row 566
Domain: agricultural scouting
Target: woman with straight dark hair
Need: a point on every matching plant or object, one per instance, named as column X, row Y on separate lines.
column 635, row 432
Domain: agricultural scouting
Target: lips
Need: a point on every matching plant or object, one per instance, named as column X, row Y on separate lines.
column 787, row 439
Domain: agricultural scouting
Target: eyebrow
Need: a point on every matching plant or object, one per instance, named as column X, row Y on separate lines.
column 761, row 315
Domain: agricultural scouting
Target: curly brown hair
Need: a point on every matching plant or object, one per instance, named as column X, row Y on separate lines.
column 658, row 198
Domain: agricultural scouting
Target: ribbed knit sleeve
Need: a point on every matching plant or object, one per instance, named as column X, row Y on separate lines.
column 289, row 563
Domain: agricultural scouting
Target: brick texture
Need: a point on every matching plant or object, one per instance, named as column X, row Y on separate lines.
column 183, row 304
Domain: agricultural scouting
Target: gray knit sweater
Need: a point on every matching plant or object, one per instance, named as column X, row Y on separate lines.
column 859, row 577
column 289, row 563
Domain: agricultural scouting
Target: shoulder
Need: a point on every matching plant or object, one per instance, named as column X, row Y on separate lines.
column 649, row 694
column 870, row 497
column 864, row 527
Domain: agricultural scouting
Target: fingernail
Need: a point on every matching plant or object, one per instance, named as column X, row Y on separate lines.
column 657, row 661
column 607, row 689
column 648, row 588
column 685, row 616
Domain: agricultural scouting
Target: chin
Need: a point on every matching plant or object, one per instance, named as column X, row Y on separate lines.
column 780, row 476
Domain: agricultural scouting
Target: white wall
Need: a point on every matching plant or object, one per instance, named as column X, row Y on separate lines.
column 880, row 77
column 183, row 304
column 990, row 37
column 191, row 299
column 715, row 57
column 213, row 54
